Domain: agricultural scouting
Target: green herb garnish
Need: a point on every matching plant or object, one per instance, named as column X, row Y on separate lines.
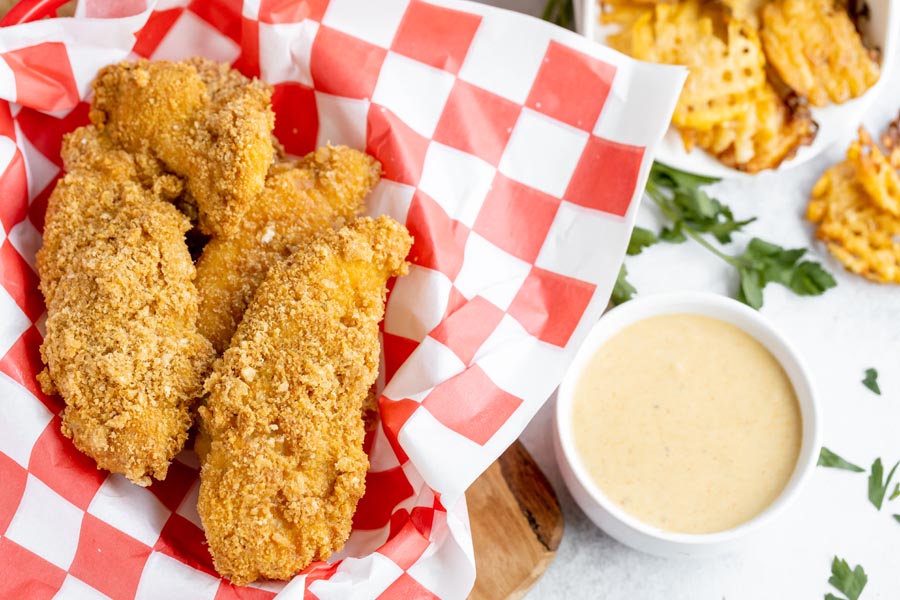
column 827, row 458
column 763, row 263
column 877, row 487
column 692, row 212
column 871, row 381
column 640, row 239
column 623, row 291
column 897, row 518
column 560, row 12
column 690, row 206
column 849, row 582
column 895, row 493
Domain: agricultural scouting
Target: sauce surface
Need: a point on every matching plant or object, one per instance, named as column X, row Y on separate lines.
column 687, row 423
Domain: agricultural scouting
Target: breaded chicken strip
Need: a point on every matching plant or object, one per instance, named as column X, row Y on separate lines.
column 87, row 148
column 122, row 346
column 301, row 199
column 95, row 163
column 285, row 465
column 203, row 120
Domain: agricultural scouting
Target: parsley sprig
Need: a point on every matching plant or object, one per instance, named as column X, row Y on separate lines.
column 847, row 581
column 560, row 12
column 829, row 459
column 877, row 484
column 871, row 381
column 682, row 199
column 623, row 291
column 692, row 212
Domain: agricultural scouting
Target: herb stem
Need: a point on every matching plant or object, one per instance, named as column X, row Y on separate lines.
column 692, row 214
column 560, row 12
column 660, row 201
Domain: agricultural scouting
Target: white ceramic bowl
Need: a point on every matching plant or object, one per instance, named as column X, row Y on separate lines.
column 621, row 525
column 836, row 121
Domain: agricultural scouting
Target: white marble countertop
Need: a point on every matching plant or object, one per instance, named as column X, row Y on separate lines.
column 840, row 334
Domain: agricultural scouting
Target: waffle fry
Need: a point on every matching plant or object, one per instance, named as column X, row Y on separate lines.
column 724, row 73
column 816, row 50
column 875, row 173
column 856, row 230
column 747, row 10
column 890, row 139
column 754, row 66
column 625, row 21
column 622, row 15
column 764, row 136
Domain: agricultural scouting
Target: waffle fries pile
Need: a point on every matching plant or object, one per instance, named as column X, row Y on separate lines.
column 856, row 204
column 755, row 67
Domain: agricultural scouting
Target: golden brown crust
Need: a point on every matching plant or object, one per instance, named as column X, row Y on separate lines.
column 322, row 191
column 891, row 141
column 770, row 132
column 816, row 50
column 285, row 467
column 205, row 121
column 727, row 107
column 122, row 346
column 856, row 212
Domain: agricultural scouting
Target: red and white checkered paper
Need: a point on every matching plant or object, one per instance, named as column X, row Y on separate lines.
column 515, row 153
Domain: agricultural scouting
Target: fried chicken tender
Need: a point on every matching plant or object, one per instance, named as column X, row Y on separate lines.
column 301, row 199
column 87, row 148
column 285, row 466
column 122, row 346
column 203, row 120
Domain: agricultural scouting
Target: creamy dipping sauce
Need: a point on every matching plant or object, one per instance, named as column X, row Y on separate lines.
column 687, row 423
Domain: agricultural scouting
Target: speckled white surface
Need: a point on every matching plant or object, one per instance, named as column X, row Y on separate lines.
column 850, row 328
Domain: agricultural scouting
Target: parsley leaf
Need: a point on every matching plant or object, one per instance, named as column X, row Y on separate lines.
column 897, row 518
column 877, row 487
column 640, row 239
column 763, row 263
column 895, row 493
column 827, row 458
column 693, row 206
column 623, row 291
column 849, row 582
column 681, row 197
column 560, row 12
column 871, row 381
column 673, row 235
column 752, row 284
column 810, row 279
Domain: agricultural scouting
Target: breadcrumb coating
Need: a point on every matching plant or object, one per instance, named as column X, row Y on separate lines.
column 285, row 467
column 122, row 346
column 301, row 199
column 203, row 120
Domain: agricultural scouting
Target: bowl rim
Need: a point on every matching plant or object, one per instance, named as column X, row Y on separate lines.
column 727, row 310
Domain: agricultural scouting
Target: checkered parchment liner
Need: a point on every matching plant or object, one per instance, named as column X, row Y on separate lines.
column 515, row 153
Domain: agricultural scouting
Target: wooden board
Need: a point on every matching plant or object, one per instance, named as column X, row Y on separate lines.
column 66, row 10
column 516, row 525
